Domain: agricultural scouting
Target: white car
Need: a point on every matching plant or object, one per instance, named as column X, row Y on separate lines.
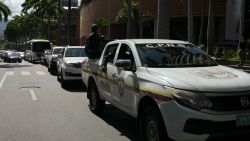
column 69, row 64
column 173, row 89
column 52, row 59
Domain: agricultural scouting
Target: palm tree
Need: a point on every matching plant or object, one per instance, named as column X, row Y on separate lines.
column 162, row 30
column 4, row 11
column 47, row 10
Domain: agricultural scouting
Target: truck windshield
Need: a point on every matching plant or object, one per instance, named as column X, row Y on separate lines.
column 173, row 55
column 75, row 52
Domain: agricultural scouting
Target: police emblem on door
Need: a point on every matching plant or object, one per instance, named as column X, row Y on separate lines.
column 244, row 102
column 121, row 86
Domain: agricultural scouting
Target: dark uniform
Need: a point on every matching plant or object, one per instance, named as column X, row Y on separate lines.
column 92, row 46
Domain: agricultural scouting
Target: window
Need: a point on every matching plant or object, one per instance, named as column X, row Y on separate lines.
column 110, row 53
column 173, row 55
column 57, row 50
column 75, row 52
column 125, row 53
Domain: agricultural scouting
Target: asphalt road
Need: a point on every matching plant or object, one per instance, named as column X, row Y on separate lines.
column 34, row 107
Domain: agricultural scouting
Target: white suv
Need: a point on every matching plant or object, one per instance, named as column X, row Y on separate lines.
column 52, row 59
column 69, row 64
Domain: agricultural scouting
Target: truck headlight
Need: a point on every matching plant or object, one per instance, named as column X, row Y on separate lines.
column 194, row 100
column 69, row 64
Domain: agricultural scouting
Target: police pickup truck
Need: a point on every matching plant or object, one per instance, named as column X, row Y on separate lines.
column 173, row 89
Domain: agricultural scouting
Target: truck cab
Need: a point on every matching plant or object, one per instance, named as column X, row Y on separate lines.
column 174, row 89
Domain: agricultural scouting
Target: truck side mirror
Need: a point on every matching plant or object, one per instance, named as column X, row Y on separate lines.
column 125, row 64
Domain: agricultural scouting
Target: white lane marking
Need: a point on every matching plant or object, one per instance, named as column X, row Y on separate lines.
column 25, row 73
column 40, row 73
column 10, row 73
column 33, row 95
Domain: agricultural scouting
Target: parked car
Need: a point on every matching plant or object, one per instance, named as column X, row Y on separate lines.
column 21, row 54
column 44, row 57
column 173, row 88
column 69, row 64
column 13, row 57
column 52, row 59
column 6, row 55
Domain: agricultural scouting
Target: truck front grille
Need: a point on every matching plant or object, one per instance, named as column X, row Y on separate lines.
column 230, row 103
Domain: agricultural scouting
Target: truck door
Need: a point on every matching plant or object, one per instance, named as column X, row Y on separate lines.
column 126, row 81
column 105, row 71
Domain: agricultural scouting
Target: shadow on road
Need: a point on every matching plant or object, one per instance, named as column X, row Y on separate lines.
column 77, row 86
column 7, row 66
column 121, row 121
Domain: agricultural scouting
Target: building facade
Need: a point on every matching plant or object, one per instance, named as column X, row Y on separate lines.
column 75, row 28
column 226, row 20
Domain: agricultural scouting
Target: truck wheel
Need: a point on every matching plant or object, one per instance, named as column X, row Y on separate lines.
column 96, row 105
column 152, row 127
column 58, row 77
column 49, row 68
column 64, row 83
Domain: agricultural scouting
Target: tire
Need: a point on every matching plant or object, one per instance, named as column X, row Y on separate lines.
column 49, row 68
column 96, row 105
column 152, row 127
column 64, row 83
column 20, row 61
column 58, row 77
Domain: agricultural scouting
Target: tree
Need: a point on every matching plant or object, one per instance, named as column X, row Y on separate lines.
column 4, row 11
column 47, row 10
column 162, row 30
column 136, row 19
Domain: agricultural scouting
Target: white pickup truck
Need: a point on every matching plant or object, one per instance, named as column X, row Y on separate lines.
column 173, row 89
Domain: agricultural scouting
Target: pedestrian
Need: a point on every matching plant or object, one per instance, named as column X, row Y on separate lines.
column 242, row 53
column 92, row 43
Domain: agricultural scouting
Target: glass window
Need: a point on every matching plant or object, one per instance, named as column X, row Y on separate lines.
column 110, row 53
column 125, row 53
column 173, row 55
column 75, row 52
column 57, row 50
column 40, row 46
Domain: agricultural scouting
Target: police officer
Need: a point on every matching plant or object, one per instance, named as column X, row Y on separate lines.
column 92, row 48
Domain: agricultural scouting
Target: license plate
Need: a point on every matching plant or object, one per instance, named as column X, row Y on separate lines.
column 242, row 120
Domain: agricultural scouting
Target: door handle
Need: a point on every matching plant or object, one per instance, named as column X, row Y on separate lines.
column 114, row 75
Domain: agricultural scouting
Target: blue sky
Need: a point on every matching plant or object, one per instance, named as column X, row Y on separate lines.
column 15, row 6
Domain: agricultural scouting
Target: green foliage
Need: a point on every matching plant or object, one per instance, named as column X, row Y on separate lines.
column 4, row 11
column 36, row 18
column 122, row 16
column 101, row 22
column 230, row 54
